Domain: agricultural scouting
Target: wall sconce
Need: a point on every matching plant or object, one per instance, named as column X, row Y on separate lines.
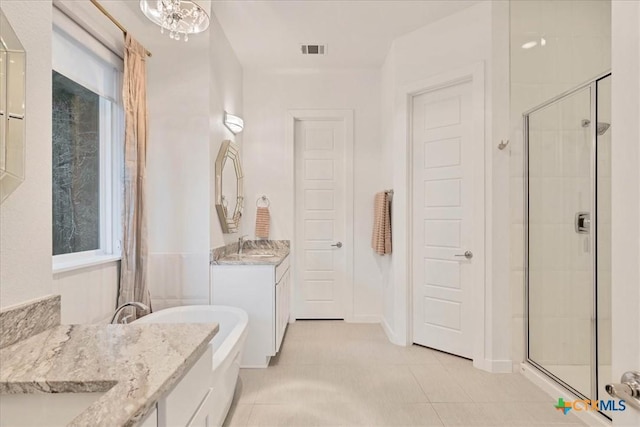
column 234, row 123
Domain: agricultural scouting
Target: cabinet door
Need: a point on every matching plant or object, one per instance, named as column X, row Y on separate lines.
column 151, row 420
column 181, row 403
column 278, row 313
column 286, row 296
column 252, row 288
column 202, row 416
column 282, row 307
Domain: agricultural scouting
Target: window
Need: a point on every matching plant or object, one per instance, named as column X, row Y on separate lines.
column 76, row 167
column 87, row 136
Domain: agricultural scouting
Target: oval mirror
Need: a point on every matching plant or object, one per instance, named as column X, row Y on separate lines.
column 229, row 190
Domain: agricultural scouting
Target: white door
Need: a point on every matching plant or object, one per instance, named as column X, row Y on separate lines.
column 320, row 219
column 444, row 184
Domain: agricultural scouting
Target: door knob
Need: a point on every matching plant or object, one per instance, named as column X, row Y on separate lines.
column 338, row 245
column 466, row 254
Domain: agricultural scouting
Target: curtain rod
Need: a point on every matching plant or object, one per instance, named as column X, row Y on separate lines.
column 112, row 19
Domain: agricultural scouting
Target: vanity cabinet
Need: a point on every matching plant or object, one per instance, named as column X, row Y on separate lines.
column 189, row 402
column 263, row 291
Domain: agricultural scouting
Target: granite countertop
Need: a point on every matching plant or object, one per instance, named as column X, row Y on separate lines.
column 255, row 252
column 134, row 364
column 252, row 258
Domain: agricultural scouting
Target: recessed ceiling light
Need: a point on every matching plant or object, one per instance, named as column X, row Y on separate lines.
column 543, row 41
column 529, row 45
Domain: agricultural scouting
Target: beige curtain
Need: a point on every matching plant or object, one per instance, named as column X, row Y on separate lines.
column 133, row 270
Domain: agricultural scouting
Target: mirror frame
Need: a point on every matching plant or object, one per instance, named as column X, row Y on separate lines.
column 13, row 126
column 229, row 152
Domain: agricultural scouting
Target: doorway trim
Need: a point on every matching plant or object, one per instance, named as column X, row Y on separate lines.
column 346, row 116
column 474, row 74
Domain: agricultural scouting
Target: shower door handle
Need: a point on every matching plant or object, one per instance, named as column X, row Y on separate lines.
column 582, row 222
column 628, row 389
column 466, row 254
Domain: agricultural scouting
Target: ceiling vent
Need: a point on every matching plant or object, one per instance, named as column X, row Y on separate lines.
column 313, row 49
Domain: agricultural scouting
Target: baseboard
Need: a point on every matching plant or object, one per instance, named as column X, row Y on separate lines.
column 494, row 366
column 555, row 390
column 390, row 335
column 363, row 319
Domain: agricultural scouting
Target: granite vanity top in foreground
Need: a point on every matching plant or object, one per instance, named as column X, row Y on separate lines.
column 134, row 364
column 255, row 252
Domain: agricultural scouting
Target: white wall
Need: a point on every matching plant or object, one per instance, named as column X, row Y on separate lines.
column 226, row 94
column 88, row 295
column 178, row 170
column 268, row 162
column 477, row 34
column 385, row 166
column 578, row 41
column 625, row 177
column 25, row 216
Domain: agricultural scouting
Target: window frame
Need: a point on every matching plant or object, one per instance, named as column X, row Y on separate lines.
column 111, row 164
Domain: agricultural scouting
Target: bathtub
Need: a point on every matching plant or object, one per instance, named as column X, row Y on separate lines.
column 227, row 347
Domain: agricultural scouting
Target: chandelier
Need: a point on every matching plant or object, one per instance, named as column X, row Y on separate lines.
column 179, row 17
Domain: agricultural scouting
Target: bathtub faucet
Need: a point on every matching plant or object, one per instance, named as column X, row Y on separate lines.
column 139, row 305
column 241, row 243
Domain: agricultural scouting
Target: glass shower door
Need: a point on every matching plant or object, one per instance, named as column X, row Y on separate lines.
column 560, row 260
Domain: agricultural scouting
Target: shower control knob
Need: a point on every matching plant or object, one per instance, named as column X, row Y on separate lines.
column 466, row 254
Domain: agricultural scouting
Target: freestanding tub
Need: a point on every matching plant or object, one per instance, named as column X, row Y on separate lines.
column 227, row 347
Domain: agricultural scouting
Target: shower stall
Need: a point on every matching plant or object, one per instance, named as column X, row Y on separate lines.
column 568, row 238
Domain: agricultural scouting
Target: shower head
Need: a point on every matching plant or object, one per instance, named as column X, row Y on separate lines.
column 601, row 129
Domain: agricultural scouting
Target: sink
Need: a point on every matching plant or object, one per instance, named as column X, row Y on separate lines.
column 43, row 409
column 258, row 255
column 249, row 255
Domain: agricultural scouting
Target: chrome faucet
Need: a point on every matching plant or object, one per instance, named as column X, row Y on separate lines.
column 241, row 243
column 139, row 305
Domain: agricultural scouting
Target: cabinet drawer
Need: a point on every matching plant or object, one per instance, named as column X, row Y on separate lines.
column 202, row 417
column 282, row 268
column 179, row 406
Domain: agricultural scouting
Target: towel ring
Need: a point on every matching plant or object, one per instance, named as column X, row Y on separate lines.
column 263, row 199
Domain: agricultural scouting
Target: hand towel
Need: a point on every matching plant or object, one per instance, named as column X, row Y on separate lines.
column 263, row 220
column 381, row 237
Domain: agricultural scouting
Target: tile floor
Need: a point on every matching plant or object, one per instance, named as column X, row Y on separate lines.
column 331, row 373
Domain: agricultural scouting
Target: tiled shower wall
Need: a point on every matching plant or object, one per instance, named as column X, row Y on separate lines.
column 577, row 47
